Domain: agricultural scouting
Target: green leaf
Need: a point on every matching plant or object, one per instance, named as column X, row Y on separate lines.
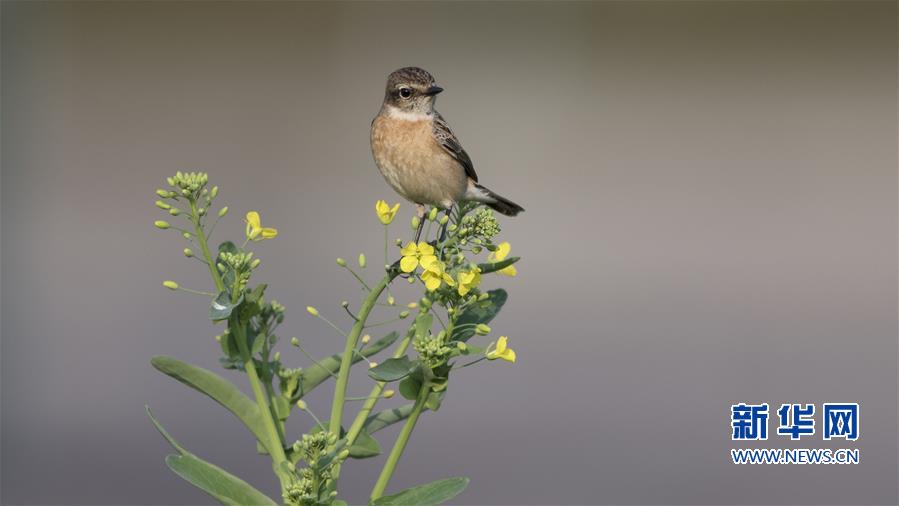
column 497, row 266
column 434, row 400
column 429, row 494
column 318, row 373
column 168, row 437
column 222, row 306
column 228, row 247
column 423, row 324
column 410, row 386
column 258, row 342
column 215, row 481
column 386, row 418
column 365, row 446
column 479, row 312
column 218, row 388
column 393, row 369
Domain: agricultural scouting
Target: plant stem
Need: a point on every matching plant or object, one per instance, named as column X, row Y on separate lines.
column 347, row 360
column 370, row 402
column 400, row 445
column 275, row 447
column 204, row 247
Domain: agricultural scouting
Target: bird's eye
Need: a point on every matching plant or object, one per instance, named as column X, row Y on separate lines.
column 405, row 92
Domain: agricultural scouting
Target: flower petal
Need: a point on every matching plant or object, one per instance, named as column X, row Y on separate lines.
column 409, row 249
column 408, row 263
column 510, row 271
column 508, row 355
column 502, row 251
column 269, row 233
column 425, row 248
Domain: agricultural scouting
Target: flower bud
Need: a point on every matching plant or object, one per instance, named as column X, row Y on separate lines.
column 171, row 285
column 398, row 242
column 277, row 356
column 345, row 304
column 255, row 263
column 461, row 346
column 341, row 262
column 201, row 211
column 425, row 302
column 482, row 330
column 362, row 260
column 412, row 305
column 484, row 296
column 218, row 338
column 295, row 341
column 186, row 235
column 452, row 228
column 404, row 314
column 170, row 181
column 366, row 338
column 223, row 211
column 411, row 280
column 174, row 211
column 450, row 310
column 214, row 193
column 433, row 214
column 311, row 310
column 344, row 454
column 444, row 219
column 332, row 439
column 301, row 404
column 389, row 393
column 220, row 266
column 372, row 365
column 390, row 300
column 163, row 193
column 161, row 224
column 476, row 250
column 188, row 252
column 415, row 222
column 162, row 205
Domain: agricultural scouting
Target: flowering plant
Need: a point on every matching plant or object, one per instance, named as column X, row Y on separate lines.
column 452, row 309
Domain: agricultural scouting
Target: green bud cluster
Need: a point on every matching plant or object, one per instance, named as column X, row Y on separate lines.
column 189, row 184
column 242, row 263
column 482, row 224
column 302, row 491
column 433, row 350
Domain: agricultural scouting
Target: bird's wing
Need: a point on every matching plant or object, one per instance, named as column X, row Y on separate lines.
column 447, row 139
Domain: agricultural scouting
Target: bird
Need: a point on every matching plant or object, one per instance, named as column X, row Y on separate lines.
column 419, row 155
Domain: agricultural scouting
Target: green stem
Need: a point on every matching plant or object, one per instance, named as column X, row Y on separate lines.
column 347, row 360
column 274, row 439
column 370, row 402
column 204, row 247
column 275, row 447
column 400, row 445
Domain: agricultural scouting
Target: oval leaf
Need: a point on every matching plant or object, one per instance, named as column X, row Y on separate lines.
column 222, row 307
column 429, row 494
column 365, row 446
column 393, row 369
column 481, row 312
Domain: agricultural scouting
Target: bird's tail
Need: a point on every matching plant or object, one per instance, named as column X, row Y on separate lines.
column 497, row 202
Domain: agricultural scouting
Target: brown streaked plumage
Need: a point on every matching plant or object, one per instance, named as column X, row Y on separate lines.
column 418, row 154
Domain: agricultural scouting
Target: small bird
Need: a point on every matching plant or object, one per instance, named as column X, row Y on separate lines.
column 419, row 155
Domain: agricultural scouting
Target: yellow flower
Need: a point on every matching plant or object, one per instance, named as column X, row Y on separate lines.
column 385, row 212
column 502, row 351
column 414, row 255
column 468, row 280
column 502, row 251
column 433, row 274
column 255, row 230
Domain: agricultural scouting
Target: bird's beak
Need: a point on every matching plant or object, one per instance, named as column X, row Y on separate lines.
column 433, row 90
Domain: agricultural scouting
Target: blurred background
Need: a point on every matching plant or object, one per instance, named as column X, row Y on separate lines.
column 711, row 198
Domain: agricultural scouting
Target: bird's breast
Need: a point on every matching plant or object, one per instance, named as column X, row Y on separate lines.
column 412, row 161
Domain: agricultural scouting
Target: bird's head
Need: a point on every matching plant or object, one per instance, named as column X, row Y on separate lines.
column 411, row 90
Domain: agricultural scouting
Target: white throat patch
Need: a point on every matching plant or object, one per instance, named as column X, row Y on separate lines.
column 396, row 113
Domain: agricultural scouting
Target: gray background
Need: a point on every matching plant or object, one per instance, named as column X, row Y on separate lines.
column 711, row 218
